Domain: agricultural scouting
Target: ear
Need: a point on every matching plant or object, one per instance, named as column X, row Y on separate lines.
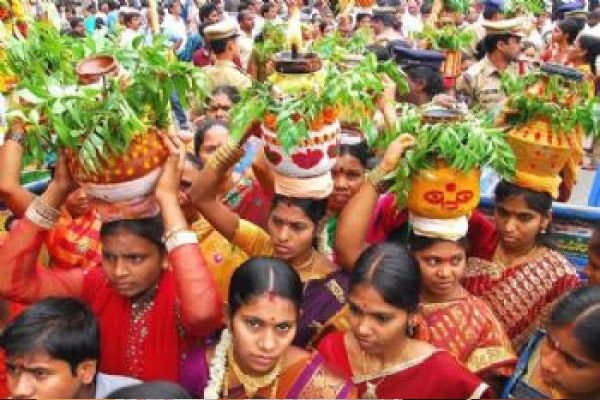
column 86, row 370
column 546, row 220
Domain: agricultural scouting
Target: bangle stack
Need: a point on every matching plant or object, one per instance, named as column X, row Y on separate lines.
column 41, row 214
column 180, row 238
column 225, row 157
column 377, row 178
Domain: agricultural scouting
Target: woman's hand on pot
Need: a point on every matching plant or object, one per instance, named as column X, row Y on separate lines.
column 62, row 183
column 167, row 187
column 394, row 152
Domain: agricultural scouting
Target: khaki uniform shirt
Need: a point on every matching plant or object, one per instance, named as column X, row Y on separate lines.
column 481, row 83
column 227, row 73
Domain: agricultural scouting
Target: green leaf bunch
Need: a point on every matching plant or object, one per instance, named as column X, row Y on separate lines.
column 354, row 88
column 97, row 122
column 335, row 47
column 551, row 104
column 458, row 6
column 513, row 8
column 273, row 41
column 448, row 37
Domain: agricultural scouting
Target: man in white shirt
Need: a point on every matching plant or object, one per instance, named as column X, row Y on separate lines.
column 132, row 23
column 174, row 28
column 593, row 24
column 246, row 39
column 52, row 352
column 411, row 21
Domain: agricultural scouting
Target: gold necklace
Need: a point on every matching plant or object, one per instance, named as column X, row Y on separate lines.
column 371, row 387
column 252, row 384
column 501, row 258
column 307, row 267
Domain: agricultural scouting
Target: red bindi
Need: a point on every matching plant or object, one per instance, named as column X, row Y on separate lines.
column 451, row 187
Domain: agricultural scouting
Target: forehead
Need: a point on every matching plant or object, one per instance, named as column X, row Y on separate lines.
column 268, row 308
column 216, row 135
column 219, row 98
column 126, row 242
column 369, row 299
column 443, row 249
column 36, row 359
column 348, row 161
column 516, row 205
column 290, row 212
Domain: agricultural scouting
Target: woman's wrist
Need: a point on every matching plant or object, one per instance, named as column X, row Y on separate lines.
column 55, row 195
column 42, row 214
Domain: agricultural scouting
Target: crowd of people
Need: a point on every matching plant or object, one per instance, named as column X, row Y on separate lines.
column 238, row 291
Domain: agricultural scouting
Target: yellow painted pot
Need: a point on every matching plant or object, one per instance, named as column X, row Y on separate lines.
column 444, row 192
column 541, row 155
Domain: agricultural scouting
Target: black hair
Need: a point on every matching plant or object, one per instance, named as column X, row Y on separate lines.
column 151, row 390
column 591, row 45
column 314, row 209
column 75, row 21
column 386, row 19
column 392, row 271
column 65, row 328
column 201, row 130
column 230, row 91
column 172, row 4
column 490, row 42
column 431, row 77
column 360, row 151
column 207, row 8
column 128, row 17
column 99, row 23
column 581, row 309
column 151, row 229
column 360, row 16
column 242, row 14
column 420, row 243
column 260, row 275
column 540, row 202
column 219, row 46
column 265, row 8
column 570, row 28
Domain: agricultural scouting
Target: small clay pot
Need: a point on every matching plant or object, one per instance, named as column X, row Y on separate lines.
column 304, row 63
column 92, row 69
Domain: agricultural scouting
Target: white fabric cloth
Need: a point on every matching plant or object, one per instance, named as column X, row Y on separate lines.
column 447, row 229
column 246, row 44
column 411, row 24
column 174, row 29
column 106, row 384
column 127, row 37
column 595, row 31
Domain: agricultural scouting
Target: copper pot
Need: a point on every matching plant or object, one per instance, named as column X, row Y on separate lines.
column 302, row 64
column 91, row 70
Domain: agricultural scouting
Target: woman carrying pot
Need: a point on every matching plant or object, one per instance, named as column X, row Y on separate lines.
column 74, row 241
column 292, row 229
column 452, row 319
column 380, row 353
column 254, row 357
column 152, row 299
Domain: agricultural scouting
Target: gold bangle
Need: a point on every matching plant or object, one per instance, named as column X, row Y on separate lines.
column 181, row 238
column 377, row 178
column 173, row 231
column 225, row 157
column 42, row 214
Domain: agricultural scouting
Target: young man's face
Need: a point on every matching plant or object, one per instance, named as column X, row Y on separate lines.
column 38, row 375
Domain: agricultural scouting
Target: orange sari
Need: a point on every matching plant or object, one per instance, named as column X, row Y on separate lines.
column 469, row 330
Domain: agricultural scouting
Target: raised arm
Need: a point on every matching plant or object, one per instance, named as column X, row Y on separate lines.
column 21, row 278
column 203, row 195
column 15, row 196
column 199, row 300
column 353, row 224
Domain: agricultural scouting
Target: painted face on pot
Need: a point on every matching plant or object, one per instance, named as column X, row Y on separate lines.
column 444, row 193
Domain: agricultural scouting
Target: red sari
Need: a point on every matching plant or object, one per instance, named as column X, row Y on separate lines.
column 522, row 296
column 185, row 308
column 436, row 375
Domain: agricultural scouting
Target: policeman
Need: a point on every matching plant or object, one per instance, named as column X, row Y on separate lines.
column 422, row 67
column 222, row 39
column 481, row 82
